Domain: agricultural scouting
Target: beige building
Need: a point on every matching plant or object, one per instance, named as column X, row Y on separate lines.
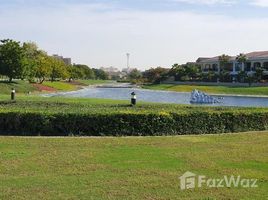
column 254, row 60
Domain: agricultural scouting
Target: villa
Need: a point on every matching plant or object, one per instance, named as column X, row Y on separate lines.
column 254, row 60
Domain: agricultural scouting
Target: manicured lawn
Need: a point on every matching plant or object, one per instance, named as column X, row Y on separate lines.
column 130, row 168
column 20, row 87
column 23, row 87
column 211, row 89
column 94, row 82
column 60, row 85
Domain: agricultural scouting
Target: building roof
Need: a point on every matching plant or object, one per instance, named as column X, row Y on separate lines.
column 251, row 56
column 257, row 54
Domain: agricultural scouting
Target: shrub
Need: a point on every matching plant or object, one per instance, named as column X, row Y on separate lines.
column 130, row 124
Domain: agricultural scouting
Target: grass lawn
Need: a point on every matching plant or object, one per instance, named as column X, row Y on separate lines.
column 25, row 87
column 94, row 82
column 211, row 89
column 60, row 85
column 130, row 168
column 20, row 87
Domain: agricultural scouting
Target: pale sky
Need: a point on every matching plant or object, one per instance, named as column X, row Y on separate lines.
column 154, row 32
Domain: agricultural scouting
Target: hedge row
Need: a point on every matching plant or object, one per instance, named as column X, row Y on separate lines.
column 127, row 124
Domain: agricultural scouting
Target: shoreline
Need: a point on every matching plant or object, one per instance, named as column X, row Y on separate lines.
column 129, row 86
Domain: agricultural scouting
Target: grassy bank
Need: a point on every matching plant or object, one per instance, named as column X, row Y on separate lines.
column 24, row 87
column 130, row 168
column 61, row 85
column 211, row 89
column 20, row 87
column 94, row 82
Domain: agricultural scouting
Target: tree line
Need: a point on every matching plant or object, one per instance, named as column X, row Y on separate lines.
column 26, row 61
column 194, row 72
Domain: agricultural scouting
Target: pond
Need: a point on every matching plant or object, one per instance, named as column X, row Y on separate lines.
column 161, row 96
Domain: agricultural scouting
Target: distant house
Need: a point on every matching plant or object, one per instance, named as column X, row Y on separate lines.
column 254, row 60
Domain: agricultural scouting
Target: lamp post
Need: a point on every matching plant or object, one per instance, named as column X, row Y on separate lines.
column 133, row 98
column 13, row 93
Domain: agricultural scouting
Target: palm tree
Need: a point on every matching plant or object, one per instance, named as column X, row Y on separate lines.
column 223, row 60
column 242, row 59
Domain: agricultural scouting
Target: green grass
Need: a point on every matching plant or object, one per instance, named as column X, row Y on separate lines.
column 20, row 87
column 130, row 168
column 25, row 87
column 211, row 89
column 94, row 82
column 60, row 85
column 86, row 105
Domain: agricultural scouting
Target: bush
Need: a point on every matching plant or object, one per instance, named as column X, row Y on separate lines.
column 130, row 124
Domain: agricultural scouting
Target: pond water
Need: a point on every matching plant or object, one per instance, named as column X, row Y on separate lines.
column 161, row 96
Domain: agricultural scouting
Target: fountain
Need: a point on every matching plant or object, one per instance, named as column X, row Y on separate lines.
column 201, row 97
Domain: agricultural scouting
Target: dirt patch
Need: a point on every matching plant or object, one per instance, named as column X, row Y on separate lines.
column 41, row 87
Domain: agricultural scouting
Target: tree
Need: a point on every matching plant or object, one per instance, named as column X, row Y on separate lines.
column 249, row 77
column 242, row 59
column 188, row 71
column 223, row 60
column 30, row 60
column 43, row 69
column 135, row 74
column 156, row 75
column 242, row 76
column 74, row 72
column 209, row 77
column 11, row 58
column 178, row 71
column 259, row 73
column 84, row 71
column 100, row 74
column 58, row 69
column 192, row 71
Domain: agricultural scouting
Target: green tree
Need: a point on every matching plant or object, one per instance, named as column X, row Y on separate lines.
column 188, row 71
column 192, row 71
column 43, row 69
column 223, row 60
column 11, row 59
column 224, row 75
column 135, row 74
column 156, row 75
column 209, row 77
column 247, row 77
column 100, row 74
column 250, row 78
column 75, row 72
column 84, row 71
column 178, row 71
column 242, row 76
column 242, row 59
column 58, row 69
column 259, row 74
column 30, row 60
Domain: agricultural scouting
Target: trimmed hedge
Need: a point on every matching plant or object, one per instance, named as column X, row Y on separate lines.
column 130, row 124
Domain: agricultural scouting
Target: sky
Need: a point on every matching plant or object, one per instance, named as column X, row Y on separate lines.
column 99, row 33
